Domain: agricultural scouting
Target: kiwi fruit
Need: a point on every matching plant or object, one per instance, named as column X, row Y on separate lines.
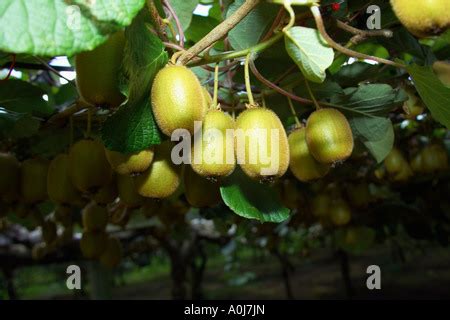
column 9, row 174
column 442, row 70
column 394, row 161
column 112, row 255
column 162, row 178
column 302, row 164
column 215, row 151
column 34, row 180
column 177, row 99
column 423, row 18
column 93, row 244
column 359, row 195
column 88, row 167
column 320, row 205
column 95, row 217
column 434, row 158
column 413, row 106
column 253, row 144
column 340, row 213
column 127, row 191
column 199, row 191
column 63, row 215
column 130, row 163
column 329, row 136
column 98, row 72
column 106, row 194
column 208, row 101
column 59, row 184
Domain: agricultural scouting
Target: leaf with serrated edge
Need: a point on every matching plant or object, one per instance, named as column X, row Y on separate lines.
column 251, row 199
column 58, row 27
column 309, row 51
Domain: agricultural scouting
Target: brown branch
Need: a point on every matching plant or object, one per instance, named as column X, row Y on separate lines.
column 218, row 32
column 364, row 33
column 169, row 7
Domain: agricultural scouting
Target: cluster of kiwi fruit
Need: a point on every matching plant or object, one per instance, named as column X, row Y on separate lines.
column 431, row 159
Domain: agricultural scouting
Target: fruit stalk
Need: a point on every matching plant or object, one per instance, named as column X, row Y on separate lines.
column 218, row 32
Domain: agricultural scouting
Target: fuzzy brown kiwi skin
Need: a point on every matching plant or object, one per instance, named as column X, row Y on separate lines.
column 88, row 167
column 261, row 118
column 127, row 191
column 199, row 191
column 177, row 99
column 329, row 136
column 95, row 217
column 162, row 178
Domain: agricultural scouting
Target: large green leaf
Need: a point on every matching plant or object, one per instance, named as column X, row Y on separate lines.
column 433, row 92
column 23, row 97
column 309, row 51
column 184, row 10
column 132, row 128
column 249, row 31
column 61, row 27
column 17, row 125
column 251, row 199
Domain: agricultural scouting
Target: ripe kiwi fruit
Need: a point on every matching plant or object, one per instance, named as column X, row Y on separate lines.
column 320, row 205
column 127, row 191
column 98, row 72
column 162, row 179
column 9, row 173
column 329, row 136
column 207, row 99
column 442, row 70
column 177, row 99
column 95, row 217
column 434, row 158
column 254, row 128
column 34, row 180
column 302, row 164
column 199, row 191
column 93, row 244
column 106, row 194
column 129, row 163
column 212, row 150
column 340, row 213
column 413, row 106
column 59, row 185
column 395, row 161
column 423, row 18
column 112, row 255
column 88, row 167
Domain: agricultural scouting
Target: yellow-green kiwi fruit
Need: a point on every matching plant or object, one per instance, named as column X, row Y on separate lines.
column 434, row 158
column 162, row 179
column 207, row 99
column 130, row 163
column 34, row 180
column 413, row 106
column 107, row 194
column 93, row 244
column 213, row 159
column 340, row 213
column 127, row 191
column 112, row 255
column 423, row 18
column 359, row 194
column 95, row 217
column 98, row 72
column 329, row 136
column 320, row 205
column 395, row 161
column 59, row 185
column 199, row 191
column 442, row 70
column 88, row 167
column 9, row 173
column 302, row 164
column 253, row 144
column 177, row 99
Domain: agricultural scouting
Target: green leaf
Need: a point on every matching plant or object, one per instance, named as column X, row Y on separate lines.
column 184, row 10
column 251, row 199
column 200, row 26
column 132, row 127
column 309, row 51
column 17, row 125
column 59, row 27
column 23, row 97
column 434, row 94
column 353, row 74
column 249, row 30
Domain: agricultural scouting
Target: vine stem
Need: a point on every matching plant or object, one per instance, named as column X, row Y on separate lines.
column 216, row 84
column 291, row 106
column 89, row 122
column 219, row 31
column 247, row 81
column 321, row 27
column 177, row 21
column 311, row 94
